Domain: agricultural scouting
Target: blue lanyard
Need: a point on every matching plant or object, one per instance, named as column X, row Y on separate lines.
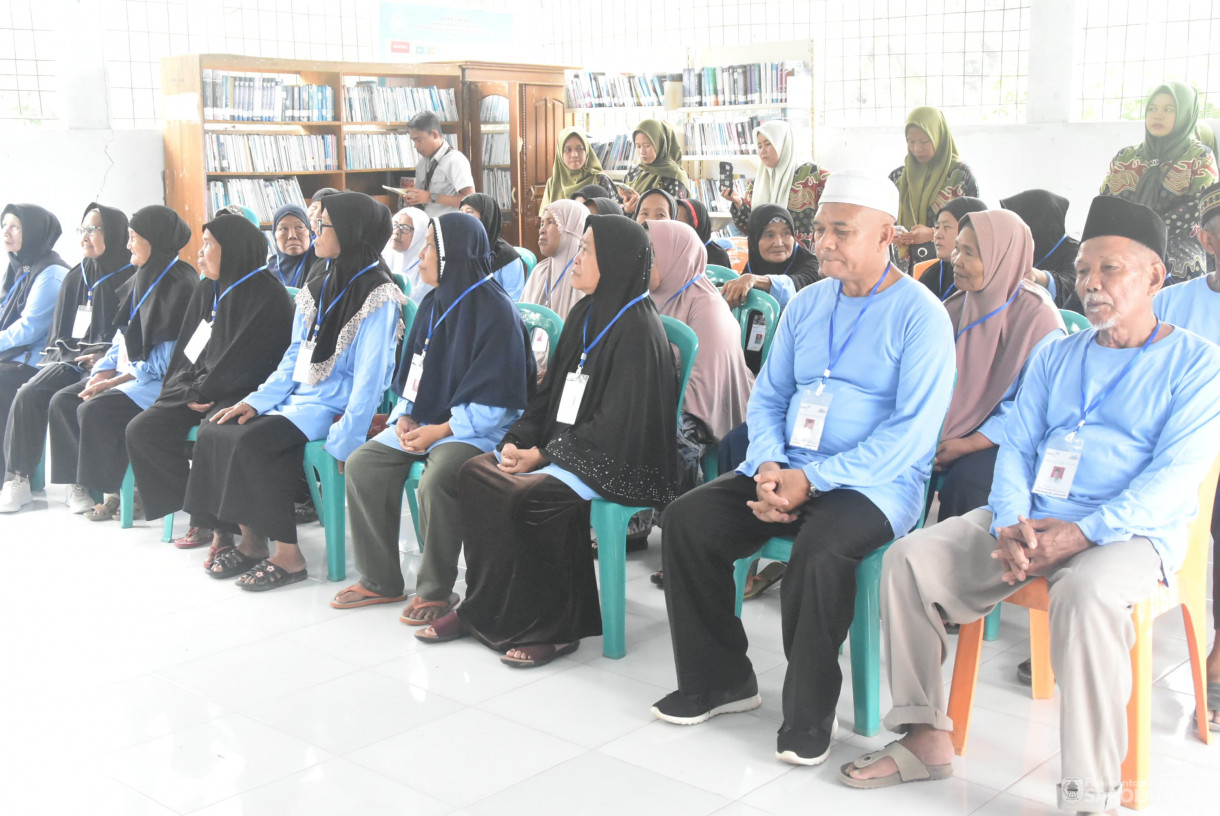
column 1105, row 392
column 412, row 266
column 296, row 276
column 678, row 293
column 216, row 299
column 989, row 315
column 546, row 296
column 830, row 349
column 321, row 315
column 1052, row 252
column 13, row 290
column 104, row 278
column 132, row 314
column 584, row 332
column 940, row 283
column 433, row 324
column 786, row 268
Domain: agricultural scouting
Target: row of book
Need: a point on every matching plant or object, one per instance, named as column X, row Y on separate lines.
column 264, row 196
column 597, row 89
column 495, row 149
column 754, row 83
column 616, row 154
column 708, row 191
column 369, row 102
column 377, row 151
column 732, row 137
column 493, row 109
column 269, row 153
column 499, row 185
column 243, row 96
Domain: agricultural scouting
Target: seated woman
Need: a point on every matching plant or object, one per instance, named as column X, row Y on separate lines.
column 931, row 176
column 602, row 424
column 465, row 377
column 236, row 329
column 1055, row 251
column 782, row 179
column 999, row 320
column 576, row 168
column 550, row 284
column 338, row 364
column 410, row 229
column 89, row 419
column 660, row 164
column 320, row 266
column 656, row 205
column 937, row 274
column 506, row 264
column 591, row 191
column 692, row 213
column 294, row 255
column 604, row 206
column 778, row 264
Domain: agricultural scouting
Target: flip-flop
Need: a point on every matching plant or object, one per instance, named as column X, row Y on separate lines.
column 442, row 608
column 232, row 562
column 910, row 769
column 1213, row 705
column 195, row 537
column 367, row 598
column 539, row 654
column 767, row 577
column 265, row 576
column 445, row 629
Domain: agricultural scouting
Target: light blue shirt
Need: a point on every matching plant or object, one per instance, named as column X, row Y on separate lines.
column 33, row 327
column 479, row 425
column 993, row 426
column 1147, row 446
column 146, row 386
column 354, row 388
column 782, row 289
column 1192, row 305
column 890, row 391
column 512, row 277
column 567, row 477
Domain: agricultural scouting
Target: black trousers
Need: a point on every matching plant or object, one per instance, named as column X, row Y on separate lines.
column 12, row 377
column 89, row 437
column 160, row 454
column 967, row 483
column 25, row 436
column 707, row 530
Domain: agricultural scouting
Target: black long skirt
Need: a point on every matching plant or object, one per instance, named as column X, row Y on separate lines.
column 89, row 437
column 160, row 454
column 529, row 575
column 247, row 474
column 25, row 436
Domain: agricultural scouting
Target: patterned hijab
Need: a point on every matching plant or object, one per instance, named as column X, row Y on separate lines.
column 669, row 154
column 921, row 182
column 1162, row 151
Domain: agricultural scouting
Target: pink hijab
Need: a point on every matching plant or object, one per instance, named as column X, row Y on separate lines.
column 991, row 355
column 720, row 382
column 571, row 217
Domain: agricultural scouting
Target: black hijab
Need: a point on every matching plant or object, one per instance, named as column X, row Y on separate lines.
column 159, row 315
column 362, row 226
column 106, row 274
column 489, row 214
column 606, row 206
column 801, row 266
column 1046, row 216
column 624, row 441
column 939, row 275
column 590, row 192
column 39, row 231
column 253, row 325
column 481, row 351
column 292, row 270
column 701, row 221
column 673, row 202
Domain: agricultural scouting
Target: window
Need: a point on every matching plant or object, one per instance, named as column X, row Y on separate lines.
column 28, row 67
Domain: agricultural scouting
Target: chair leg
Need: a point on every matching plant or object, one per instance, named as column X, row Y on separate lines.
column 991, row 629
column 334, row 494
column 965, row 680
column 610, row 525
column 1139, row 713
column 865, row 636
column 38, row 480
column 167, row 528
column 127, row 495
column 1194, row 616
column 411, row 487
column 311, row 480
column 1040, row 654
column 741, row 571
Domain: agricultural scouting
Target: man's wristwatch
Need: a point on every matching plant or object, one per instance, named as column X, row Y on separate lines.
column 813, row 492
column 432, row 196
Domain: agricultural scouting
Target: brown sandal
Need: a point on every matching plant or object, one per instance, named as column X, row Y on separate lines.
column 366, row 598
column 432, row 610
column 105, row 511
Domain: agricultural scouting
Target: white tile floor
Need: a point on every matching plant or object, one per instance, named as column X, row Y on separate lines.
column 134, row 684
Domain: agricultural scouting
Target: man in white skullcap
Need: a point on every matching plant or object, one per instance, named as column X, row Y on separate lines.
column 843, row 420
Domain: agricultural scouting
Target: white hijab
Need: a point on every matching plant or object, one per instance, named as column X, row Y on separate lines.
column 407, row 261
column 773, row 185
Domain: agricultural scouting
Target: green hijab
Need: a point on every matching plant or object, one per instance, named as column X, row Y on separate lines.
column 669, row 154
column 563, row 182
column 1165, row 150
column 921, row 182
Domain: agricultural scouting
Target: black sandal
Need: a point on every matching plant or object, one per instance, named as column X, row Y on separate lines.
column 265, row 576
column 230, row 562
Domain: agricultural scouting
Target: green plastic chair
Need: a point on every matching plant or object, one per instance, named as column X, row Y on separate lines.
column 292, row 291
column 533, row 316
column 403, row 283
column 528, row 259
column 1074, row 321
column 768, row 307
column 610, row 519
column 720, row 275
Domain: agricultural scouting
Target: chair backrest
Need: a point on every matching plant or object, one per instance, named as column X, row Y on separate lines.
column 292, row 291
column 403, row 283
column 719, row 275
column 684, row 337
column 1074, row 321
column 535, row 316
column 408, row 316
column 761, row 302
column 528, row 259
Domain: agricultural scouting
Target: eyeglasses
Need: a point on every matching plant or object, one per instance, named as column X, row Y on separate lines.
column 403, row 229
column 89, row 231
column 323, row 225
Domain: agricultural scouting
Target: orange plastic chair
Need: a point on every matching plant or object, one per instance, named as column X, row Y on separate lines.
column 1189, row 592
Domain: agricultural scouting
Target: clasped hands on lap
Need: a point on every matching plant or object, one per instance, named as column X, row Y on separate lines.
column 1033, row 547
column 781, row 493
column 516, row 460
column 104, row 381
column 416, row 438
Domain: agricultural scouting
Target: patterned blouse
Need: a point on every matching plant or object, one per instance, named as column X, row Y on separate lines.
column 1177, row 204
column 672, row 186
column 961, row 183
column 807, row 185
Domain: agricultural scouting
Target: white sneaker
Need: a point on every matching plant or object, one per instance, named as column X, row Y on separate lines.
column 15, row 495
column 79, row 499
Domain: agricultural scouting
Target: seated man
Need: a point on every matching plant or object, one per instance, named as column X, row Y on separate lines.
column 1096, row 480
column 842, row 432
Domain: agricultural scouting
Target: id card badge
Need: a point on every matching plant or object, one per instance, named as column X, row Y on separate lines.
column 758, row 333
column 198, row 340
column 124, row 361
column 1059, row 464
column 301, row 372
column 810, row 420
column 411, row 391
column 540, row 341
column 80, row 325
column 569, row 401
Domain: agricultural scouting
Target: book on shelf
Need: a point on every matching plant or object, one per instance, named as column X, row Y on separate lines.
column 264, row 196
column 369, row 101
column 732, row 137
column 708, row 191
column 598, row 89
column 498, row 184
column 617, row 153
column 493, row 110
column 753, row 83
column 269, row 153
column 245, row 96
column 378, row 151
column 495, row 149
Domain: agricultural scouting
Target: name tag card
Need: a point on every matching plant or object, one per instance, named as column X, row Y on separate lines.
column 80, row 325
column 301, row 372
column 540, row 341
column 411, row 391
column 569, row 401
column 198, row 340
column 810, row 420
column 124, row 360
column 758, row 333
column 1058, row 467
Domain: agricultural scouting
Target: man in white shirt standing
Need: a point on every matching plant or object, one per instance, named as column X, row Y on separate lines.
column 442, row 177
